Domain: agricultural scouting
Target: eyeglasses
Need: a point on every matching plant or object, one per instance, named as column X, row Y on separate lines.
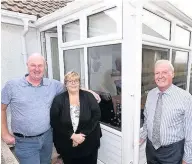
column 73, row 81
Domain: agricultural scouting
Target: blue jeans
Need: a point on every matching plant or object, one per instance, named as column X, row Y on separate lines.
column 35, row 150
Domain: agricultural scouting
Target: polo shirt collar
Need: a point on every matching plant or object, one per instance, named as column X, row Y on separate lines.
column 24, row 82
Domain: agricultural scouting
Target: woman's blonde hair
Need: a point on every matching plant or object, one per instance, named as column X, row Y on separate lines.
column 71, row 75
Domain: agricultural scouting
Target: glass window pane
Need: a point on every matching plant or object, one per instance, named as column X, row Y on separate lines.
column 179, row 61
column 156, row 26
column 149, row 56
column 182, row 36
column 74, row 61
column 104, row 64
column 103, row 23
column 190, row 87
column 55, row 58
column 71, row 31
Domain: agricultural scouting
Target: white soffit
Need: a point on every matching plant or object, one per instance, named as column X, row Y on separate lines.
column 15, row 18
column 184, row 5
column 175, row 10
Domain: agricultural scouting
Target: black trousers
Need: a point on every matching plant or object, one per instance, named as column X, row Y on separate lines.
column 171, row 154
column 90, row 159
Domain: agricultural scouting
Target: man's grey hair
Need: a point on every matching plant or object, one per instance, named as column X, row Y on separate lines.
column 158, row 62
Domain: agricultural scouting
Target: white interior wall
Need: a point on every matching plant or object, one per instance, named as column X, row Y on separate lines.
column 32, row 41
column 12, row 63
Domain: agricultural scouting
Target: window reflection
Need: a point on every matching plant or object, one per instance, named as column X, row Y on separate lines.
column 179, row 61
column 190, row 85
column 182, row 36
column 151, row 26
column 96, row 26
column 149, row 56
column 74, row 61
column 71, row 31
column 105, row 78
column 55, row 58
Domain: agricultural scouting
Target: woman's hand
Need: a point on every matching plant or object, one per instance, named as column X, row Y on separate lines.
column 183, row 162
column 75, row 144
column 78, row 138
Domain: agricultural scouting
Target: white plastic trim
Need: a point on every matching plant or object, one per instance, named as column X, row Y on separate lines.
column 17, row 15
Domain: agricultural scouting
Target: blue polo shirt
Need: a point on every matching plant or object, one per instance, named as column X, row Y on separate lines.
column 30, row 105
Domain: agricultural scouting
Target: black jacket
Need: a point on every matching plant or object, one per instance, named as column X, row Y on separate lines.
column 88, row 124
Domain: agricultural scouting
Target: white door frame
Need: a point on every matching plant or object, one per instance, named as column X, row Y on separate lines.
column 131, row 80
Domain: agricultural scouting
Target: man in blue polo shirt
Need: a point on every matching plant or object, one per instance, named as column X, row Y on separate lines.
column 30, row 98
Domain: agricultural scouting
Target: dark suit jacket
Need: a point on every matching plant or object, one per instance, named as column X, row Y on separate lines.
column 88, row 124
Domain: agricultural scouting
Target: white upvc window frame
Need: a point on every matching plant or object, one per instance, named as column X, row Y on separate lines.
column 170, row 56
column 188, row 65
column 48, row 26
column 129, row 98
column 85, row 42
column 82, row 17
column 67, row 21
column 119, row 24
column 174, row 21
column 170, row 44
column 85, row 47
column 189, row 72
column 186, row 29
column 166, row 19
column 107, row 128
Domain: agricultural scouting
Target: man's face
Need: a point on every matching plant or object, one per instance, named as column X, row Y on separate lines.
column 163, row 76
column 36, row 68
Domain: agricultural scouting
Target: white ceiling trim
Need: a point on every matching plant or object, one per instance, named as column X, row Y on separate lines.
column 167, row 6
column 71, row 8
column 16, row 18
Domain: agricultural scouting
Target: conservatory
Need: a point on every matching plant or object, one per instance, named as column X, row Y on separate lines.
column 113, row 44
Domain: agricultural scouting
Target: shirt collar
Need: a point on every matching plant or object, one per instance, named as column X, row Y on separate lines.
column 24, row 82
column 167, row 91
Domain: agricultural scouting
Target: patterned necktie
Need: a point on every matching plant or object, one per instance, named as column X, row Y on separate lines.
column 157, row 122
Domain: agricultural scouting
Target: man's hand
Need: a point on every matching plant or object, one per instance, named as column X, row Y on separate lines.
column 183, row 162
column 8, row 139
column 141, row 141
column 97, row 97
column 78, row 138
column 5, row 135
column 106, row 96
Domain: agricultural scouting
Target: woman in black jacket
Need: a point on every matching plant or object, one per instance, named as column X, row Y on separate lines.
column 75, row 118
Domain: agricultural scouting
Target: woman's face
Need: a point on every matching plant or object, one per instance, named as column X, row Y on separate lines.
column 73, row 85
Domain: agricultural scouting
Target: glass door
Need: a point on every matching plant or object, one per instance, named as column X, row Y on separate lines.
column 52, row 55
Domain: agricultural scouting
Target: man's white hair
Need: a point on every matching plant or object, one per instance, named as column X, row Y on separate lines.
column 167, row 62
